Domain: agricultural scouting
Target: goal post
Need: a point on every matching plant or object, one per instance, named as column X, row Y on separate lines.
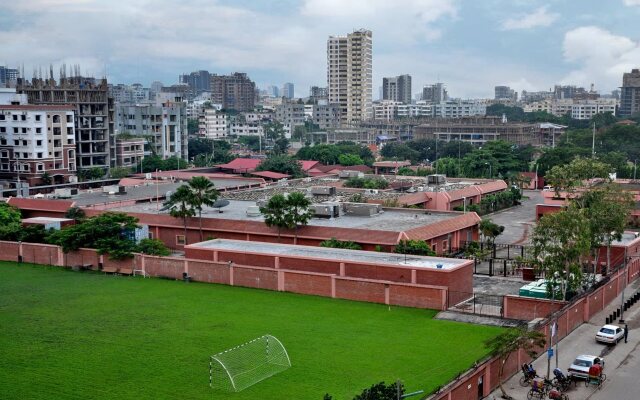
column 240, row 367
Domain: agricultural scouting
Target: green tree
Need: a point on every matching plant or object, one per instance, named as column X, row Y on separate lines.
column 400, row 151
column 119, row 172
column 10, row 225
column 490, row 230
column 283, row 164
column 153, row 247
column 573, row 176
column 180, row 205
column 560, row 241
column 340, row 244
column 415, row 247
column 280, row 146
column 75, row 213
column 203, row 193
column 299, row 132
column 350, row 159
column 510, row 341
column 298, row 210
column 192, row 126
column 273, row 130
column 46, row 178
column 275, row 213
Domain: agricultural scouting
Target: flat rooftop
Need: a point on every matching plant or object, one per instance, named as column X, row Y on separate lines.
column 389, row 220
column 373, row 257
column 627, row 238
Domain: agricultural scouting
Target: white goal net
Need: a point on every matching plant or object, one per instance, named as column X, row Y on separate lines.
column 245, row 365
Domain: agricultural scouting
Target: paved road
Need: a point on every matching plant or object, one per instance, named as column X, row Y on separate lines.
column 622, row 361
column 517, row 220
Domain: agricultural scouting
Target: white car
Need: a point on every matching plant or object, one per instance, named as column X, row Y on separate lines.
column 610, row 334
column 580, row 366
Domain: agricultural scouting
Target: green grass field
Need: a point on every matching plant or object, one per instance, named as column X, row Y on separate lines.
column 70, row 335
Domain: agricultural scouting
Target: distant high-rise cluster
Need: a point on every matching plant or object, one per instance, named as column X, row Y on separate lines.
column 349, row 75
column 8, row 76
column 233, row 92
column 435, row 93
column 630, row 93
column 198, row 81
column 397, row 88
column 505, row 93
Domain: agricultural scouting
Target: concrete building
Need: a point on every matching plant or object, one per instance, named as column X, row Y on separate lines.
column 577, row 109
column 9, row 96
column 479, row 130
column 288, row 90
column 397, row 88
column 388, row 110
column 505, row 93
column 37, row 139
column 214, row 124
column 198, row 81
column 435, row 93
column 247, row 129
column 458, row 108
column 8, row 76
column 349, row 75
column 326, row 116
column 94, row 118
column 528, row 97
column 290, row 114
column 164, row 126
column 630, row 93
column 234, row 92
column 273, row 91
column 317, row 94
column 129, row 151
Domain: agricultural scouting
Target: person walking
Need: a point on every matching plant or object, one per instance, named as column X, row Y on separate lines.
column 626, row 332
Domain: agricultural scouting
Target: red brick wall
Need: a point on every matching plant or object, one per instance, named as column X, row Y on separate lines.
column 298, row 264
column 347, row 288
column 526, row 308
column 256, row 260
column 416, row 296
column 127, row 263
column 304, row 283
column 209, row 272
column 82, row 257
column 40, row 253
column 378, row 272
column 9, row 251
column 164, row 267
column 260, row 278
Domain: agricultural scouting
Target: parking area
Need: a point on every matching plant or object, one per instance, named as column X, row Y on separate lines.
column 518, row 220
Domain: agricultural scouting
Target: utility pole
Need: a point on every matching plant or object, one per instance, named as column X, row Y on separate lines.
column 593, row 142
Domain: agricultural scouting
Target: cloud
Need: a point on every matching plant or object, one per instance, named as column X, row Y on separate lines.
column 631, row 3
column 539, row 18
column 602, row 56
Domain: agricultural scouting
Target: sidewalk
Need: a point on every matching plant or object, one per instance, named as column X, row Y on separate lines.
column 582, row 341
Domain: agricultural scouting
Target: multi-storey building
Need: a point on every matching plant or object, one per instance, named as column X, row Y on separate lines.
column 349, row 75
column 234, row 92
column 388, row 110
column 458, row 108
column 326, row 116
column 164, row 126
column 577, row 109
column 479, row 130
column 214, row 124
column 129, row 151
column 505, row 93
column 37, row 140
column 630, row 93
column 246, row 129
column 8, row 76
column 288, row 90
column 94, row 118
column 397, row 88
column 435, row 93
column 290, row 114
column 198, row 82
column 536, row 96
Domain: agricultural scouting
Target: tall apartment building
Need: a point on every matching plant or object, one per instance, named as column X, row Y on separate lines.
column 8, row 76
column 349, row 75
column 630, row 93
column 397, row 88
column 435, row 93
column 214, row 124
column 505, row 93
column 37, row 139
column 164, row 126
column 288, row 90
column 94, row 121
column 198, row 81
column 234, row 92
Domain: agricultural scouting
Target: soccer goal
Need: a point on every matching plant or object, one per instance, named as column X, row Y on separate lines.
column 245, row 365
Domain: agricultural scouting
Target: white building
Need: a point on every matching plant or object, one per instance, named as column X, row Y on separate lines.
column 459, row 108
column 35, row 139
column 214, row 124
column 578, row 109
column 246, row 129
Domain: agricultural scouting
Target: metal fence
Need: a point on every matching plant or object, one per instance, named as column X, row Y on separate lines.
column 475, row 303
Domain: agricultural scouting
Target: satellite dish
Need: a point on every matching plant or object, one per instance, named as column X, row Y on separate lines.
column 220, row 203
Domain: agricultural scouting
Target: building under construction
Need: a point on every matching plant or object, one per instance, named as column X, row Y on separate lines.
column 95, row 139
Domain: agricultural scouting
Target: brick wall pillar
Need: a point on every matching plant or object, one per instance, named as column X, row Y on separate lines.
column 276, row 262
column 341, row 269
column 333, row 286
column 231, row 274
column 143, row 265
column 281, row 281
column 186, row 266
column 60, row 257
column 215, row 256
column 20, row 254
column 414, row 276
column 487, row 380
column 386, row 294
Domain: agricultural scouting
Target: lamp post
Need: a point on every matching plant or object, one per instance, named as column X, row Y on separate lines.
column 157, row 191
column 18, row 186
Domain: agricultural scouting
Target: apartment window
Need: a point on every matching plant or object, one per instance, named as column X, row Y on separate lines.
column 16, row 143
column 69, row 118
column 37, row 117
column 5, row 167
column 24, row 142
column 3, row 129
column 15, row 117
column 1, row 117
column 56, row 118
column 150, row 235
column 4, row 153
column 24, row 130
column 38, row 130
column 23, row 117
column 40, row 166
column 180, row 240
column 15, row 130
column 3, row 142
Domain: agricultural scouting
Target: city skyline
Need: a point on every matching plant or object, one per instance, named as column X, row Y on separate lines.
column 528, row 45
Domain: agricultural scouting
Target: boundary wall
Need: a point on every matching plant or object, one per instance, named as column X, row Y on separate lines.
column 228, row 273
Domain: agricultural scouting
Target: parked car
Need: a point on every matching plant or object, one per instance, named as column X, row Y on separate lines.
column 610, row 334
column 579, row 368
column 548, row 188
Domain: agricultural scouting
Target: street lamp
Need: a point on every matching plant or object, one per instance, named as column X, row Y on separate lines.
column 18, row 186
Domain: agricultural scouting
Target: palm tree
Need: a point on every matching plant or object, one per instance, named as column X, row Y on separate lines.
column 275, row 213
column 204, row 194
column 298, row 208
column 510, row 341
column 180, row 205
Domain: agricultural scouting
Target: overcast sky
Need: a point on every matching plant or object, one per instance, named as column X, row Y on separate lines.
column 470, row 45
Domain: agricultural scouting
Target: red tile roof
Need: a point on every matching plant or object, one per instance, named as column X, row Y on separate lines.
column 270, row 175
column 469, row 191
column 392, row 164
column 492, row 186
column 411, row 199
column 308, row 164
column 242, row 165
column 443, row 227
column 41, row 204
